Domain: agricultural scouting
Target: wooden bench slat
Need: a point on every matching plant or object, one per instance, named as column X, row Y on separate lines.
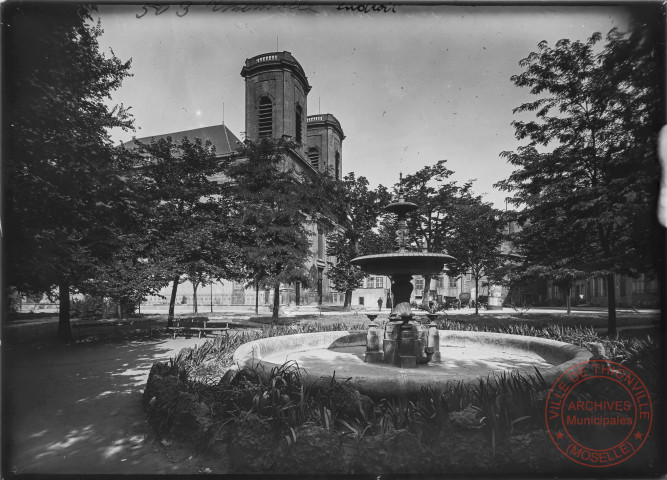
column 199, row 325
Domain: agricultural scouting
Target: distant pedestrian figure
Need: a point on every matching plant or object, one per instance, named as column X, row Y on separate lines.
column 380, row 304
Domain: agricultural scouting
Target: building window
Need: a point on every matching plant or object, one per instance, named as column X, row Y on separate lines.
column 337, row 171
column 320, row 243
column 361, row 300
column 452, row 283
column 265, row 117
column 379, row 282
column 419, row 284
column 646, row 284
column 370, row 282
column 299, row 123
column 314, row 157
column 441, row 282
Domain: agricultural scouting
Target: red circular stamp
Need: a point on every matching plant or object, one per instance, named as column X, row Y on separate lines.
column 598, row 413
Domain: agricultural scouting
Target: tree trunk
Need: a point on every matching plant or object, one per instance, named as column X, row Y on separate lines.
column 611, row 305
column 119, row 308
column 568, row 291
column 427, row 291
column 172, row 302
column 256, row 297
column 195, row 308
column 319, row 286
column 64, row 325
column 276, row 304
column 297, row 293
column 347, row 303
column 476, row 295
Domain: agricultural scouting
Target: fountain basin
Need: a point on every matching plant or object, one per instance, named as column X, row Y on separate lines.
column 403, row 263
column 466, row 357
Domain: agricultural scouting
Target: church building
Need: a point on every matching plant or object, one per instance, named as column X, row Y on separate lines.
column 276, row 105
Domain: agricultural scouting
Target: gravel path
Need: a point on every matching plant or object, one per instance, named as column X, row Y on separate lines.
column 76, row 409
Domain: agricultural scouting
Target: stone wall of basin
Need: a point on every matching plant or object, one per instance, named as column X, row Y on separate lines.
column 404, row 381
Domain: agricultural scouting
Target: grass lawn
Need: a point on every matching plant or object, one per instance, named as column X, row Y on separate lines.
column 631, row 324
column 592, row 319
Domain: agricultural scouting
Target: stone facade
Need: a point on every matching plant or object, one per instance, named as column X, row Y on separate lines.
column 277, row 77
column 325, row 138
column 276, row 102
column 632, row 292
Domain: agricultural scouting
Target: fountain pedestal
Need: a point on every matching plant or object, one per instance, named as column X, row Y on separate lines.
column 405, row 343
column 407, row 354
column 399, row 346
column 374, row 352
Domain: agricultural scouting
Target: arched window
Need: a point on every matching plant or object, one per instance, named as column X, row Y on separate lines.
column 265, row 117
column 314, row 156
column 337, row 171
column 299, row 123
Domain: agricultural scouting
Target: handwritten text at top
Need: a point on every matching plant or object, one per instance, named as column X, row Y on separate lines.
column 184, row 8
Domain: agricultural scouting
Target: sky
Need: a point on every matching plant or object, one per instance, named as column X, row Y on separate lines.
column 410, row 86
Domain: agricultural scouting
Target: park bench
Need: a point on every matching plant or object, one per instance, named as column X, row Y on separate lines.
column 114, row 327
column 200, row 325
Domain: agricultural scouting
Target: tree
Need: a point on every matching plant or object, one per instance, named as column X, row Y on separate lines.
column 357, row 212
column 431, row 225
column 189, row 223
column 127, row 277
column 62, row 171
column 276, row 205
column 476, row 243
column 601, row 174
column 344, row 276
column 208, row 255
column 550, row 250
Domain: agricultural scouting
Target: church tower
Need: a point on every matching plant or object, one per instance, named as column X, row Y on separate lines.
column 325, row 144
column 276, row 92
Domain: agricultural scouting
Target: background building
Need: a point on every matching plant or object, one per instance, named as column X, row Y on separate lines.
column 276, row 105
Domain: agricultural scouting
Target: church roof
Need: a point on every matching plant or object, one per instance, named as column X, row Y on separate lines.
column 221, row 137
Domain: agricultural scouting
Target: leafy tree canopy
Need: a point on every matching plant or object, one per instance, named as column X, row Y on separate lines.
column 476, row 243
column 62, row 172
column 589, row 165
column 188, row 222
column 431, row 227
column 357, row 211
column 278, row 211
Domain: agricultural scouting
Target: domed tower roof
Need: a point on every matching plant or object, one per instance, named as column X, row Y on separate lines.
column 276, row 98
column 275, row 61
column 325, row 120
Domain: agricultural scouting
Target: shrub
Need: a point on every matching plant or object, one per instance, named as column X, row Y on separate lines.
column 93, row 308
column 459, row 421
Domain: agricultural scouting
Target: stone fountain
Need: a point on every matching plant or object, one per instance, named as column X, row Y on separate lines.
column 381, row 362
column 404, row 342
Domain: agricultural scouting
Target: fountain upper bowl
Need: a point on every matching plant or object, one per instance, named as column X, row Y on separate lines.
column 406, row 263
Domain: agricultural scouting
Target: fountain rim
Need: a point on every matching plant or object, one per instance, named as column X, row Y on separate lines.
column 401, row 207
column 403, row 263
column 404, row 254
column 252, row 354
